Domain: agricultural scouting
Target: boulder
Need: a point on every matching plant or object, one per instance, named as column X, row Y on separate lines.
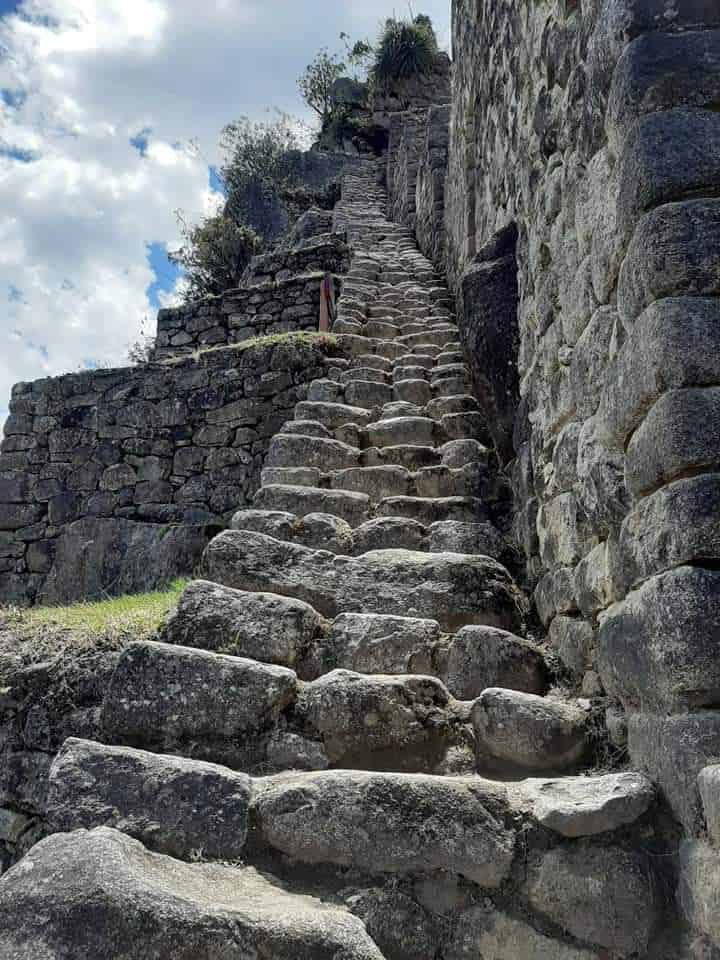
column 585, row 806
column 84, row 893
column 183, row 700
column 671, row 254
column 175, row 806
column 480, row 657
column 658, row 647
column 378, row 722
column 485, row 931
column 527, row 731
column 668, row 445
column 371, row 643
column 699, row 888
column 569, row 884
column 389, row 823
column 260, row 626
column 673, row 751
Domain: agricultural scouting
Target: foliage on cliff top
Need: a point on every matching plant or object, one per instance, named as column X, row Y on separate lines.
column 406, row 48
column 44, row 633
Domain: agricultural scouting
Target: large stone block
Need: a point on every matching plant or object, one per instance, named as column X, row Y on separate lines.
column 585, row 806
column 389, row 823
column 699, row 888
column 659, row 71
column 260, row 626
column 674, row 344
column 167, row 697
column 379, row 722
column 669, row 156
column 569, row 885
column 670, row 443
column 175, row 806
column 673, row 751
column 452, row 588
column 678, row 524
column 564, row 532
column 658, row 647
column 84, row 894
column 489, row 330
column 529, row 732
column 672, row 253
column 371, row 643
column 97, row 556
column 709, row 786
column 485, row 931
column 481, row 657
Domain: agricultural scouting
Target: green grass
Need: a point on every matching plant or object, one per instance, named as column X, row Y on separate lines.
column 42, row 633
column 306, row 337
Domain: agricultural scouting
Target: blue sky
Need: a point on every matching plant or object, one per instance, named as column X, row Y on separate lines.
column 99, row 104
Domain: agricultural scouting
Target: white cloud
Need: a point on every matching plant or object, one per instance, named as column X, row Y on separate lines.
column 79, row 204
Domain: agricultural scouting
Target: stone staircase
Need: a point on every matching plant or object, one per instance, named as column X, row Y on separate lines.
column 334, row 752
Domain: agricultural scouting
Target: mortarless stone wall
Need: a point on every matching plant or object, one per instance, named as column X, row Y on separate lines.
column 281, row 294
column 113, row 480
column 592, row 129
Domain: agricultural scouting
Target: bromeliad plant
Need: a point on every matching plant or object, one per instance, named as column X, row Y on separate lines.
column 406, row 48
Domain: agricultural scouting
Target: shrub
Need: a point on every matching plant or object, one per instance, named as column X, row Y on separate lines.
column 214, row 255
column 406, row 48
column 259, row 163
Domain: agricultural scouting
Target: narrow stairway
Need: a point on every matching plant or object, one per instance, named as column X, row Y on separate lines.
column 329, row 752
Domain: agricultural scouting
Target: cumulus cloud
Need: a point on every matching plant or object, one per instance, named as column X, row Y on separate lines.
column 98, row 104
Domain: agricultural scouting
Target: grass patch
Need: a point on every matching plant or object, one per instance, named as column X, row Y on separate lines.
column 44, row 633
column 305, row 337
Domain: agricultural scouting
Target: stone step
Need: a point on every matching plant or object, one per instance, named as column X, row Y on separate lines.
column 333, row 415
column 251, row 716
column 367, row 394
column 462, row 403
column 376, row 482
column 450, row 386
column 296, row 450
column 352, row 507
column 410, row 372
column 307, row 428
column 413, row 391
column 146, row 904
column 196, row 703
column 454, row 589
column 321, row 531
column 414, row 360
column 412, row 823
column 366, row 374
column 520, row 731
column 433, row 510
column 400, row 431
column 291, row 476
column 409, row 455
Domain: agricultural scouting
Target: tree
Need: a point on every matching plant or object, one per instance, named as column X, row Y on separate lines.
column 214, row 255
column 259, row 163
column 317, row 81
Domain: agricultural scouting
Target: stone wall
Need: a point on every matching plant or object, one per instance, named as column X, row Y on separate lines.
column 280, row 294
column 113, row 480
column 592, row 130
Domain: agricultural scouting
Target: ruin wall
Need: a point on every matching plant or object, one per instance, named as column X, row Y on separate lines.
column 114, row 480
